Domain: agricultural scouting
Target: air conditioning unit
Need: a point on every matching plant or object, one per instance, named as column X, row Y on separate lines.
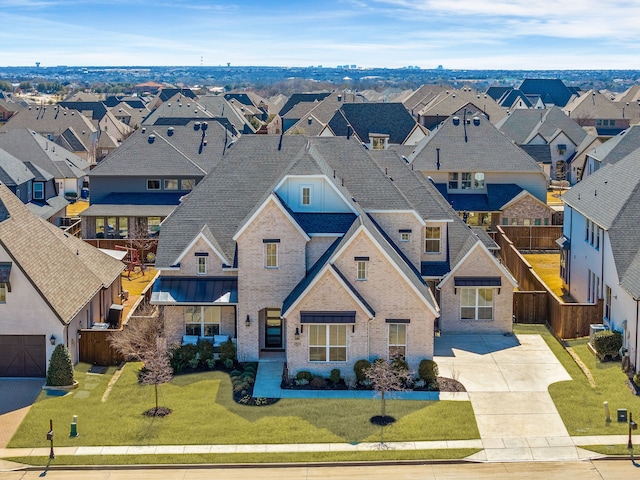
column 595, row 328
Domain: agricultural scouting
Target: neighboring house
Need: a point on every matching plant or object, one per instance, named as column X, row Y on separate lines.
column 612, row 150
column 16, row 176
column 550, row 127
column 51, row 285
column 305, row 247
column 69, row 170
column 415, row 101
column 376, row 125
column 483, row 175
column 600, row 257
column 8, row 109
column 300, row 121
column 448, row 102
column 141, row 183
column 551, row 91
column 67, row 128
column 597, row 114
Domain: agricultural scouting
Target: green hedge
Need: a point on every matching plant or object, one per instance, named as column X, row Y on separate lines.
column 607, row 343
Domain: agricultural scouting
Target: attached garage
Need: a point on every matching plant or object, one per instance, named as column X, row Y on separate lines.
column 23, row 356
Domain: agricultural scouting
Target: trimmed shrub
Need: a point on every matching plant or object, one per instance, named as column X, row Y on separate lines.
column 304, row 375
column 60, row 373
column 205, row 352
column 360, row 368
column 334, row 376
column 318, row 382
column 182, row 357
column 400, row 364
column 228, row 363
column 428, row 371
column 235, row 373
column 607, row 343
column 227, row 351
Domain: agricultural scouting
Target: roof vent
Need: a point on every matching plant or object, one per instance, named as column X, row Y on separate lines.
column 476, row 121
column 205, row 125
column 168, row 104
column 309, row 120
column 339, row 98
column 204, row 142
column 456, row 121
column 453, row 96
column 152, row 138
column 170, row 131
column 144, row 129
column 196, row 126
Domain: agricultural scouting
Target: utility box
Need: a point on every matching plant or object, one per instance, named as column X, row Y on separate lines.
column 622, row 415
column 115, row 315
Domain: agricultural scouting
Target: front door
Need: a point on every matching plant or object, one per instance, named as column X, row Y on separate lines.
column 273, row 329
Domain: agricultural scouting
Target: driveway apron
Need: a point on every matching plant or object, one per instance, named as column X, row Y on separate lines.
column 16, row 397
column 507, row 378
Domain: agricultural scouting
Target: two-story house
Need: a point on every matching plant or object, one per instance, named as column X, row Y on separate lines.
column 483, row 175
column 310, row 248
column 600, row 257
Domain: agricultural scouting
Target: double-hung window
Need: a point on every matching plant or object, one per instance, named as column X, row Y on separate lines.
column 476, row 303
column 38, row 191
column 202, row 265
column 3, row 292
column 328, row 343
column 397, row 340
column 432, row 240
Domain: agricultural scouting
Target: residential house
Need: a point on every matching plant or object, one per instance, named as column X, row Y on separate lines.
column 375, row 124
column 67, row 128
column 551, row 91
column 485, row 177
column 612, row 150
column 415, row 101
column 305, row 247
column 549, row 127
column 597, row 114
column 51, row 285
column 8, row 109
column 141, row 183
column 68, row 170
column 311, row 122
column 450, row 101
column 600, row 257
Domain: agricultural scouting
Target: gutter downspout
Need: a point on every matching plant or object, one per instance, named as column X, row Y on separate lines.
column 635, row 352
column 369, row 338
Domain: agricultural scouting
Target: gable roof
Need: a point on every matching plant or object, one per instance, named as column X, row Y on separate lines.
column 451, row 101
column 524, row 124
column 552, row 90
column 30, row 146
column 474, row 146
column 618, row 147
column 388, row 118
column 296, row 98
column 13, row 172
column 610, row 197
column 46, row 255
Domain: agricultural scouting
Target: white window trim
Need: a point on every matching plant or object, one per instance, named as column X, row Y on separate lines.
column 363, row 264
column 154, row 180
column 328, row 345
column 406, row 335
column 202, row 262
column 202, row 322
column 476, row 305
column 403, row 235
column 439, row 239
column 302, row 189
column 266, row 255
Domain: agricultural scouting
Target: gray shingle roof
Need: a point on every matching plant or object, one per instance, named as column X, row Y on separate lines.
column 523, row 124
column 391, row 119
column 610, row 197
column 13, row 172
column 556, row 91
column 67, row 271
column 471, row 147
column 618, row 147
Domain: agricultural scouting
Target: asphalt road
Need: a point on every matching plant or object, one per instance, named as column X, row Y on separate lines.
column 587, row 470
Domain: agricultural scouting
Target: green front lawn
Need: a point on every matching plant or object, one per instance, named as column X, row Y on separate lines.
column 205, row 413
column 579, row 404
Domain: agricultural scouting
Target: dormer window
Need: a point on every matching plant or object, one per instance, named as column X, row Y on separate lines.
column 379, row 142
column 171, row 184
column 202, row 262
column 478, row 180
column 466, row 181
column 38, row 191
column 153, row 184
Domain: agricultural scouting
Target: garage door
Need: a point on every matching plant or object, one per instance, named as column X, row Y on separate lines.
column 23, row 356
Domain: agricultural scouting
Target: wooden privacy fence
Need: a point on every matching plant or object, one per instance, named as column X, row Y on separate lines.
column 567, row 320
column 94, row 348
column 533, row 237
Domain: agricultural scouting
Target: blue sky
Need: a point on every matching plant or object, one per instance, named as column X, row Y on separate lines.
column 471, row 34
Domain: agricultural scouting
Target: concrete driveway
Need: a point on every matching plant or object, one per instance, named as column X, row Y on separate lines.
column 16, row 397
column 507, row 379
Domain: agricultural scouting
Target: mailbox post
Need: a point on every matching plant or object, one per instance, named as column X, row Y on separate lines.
column 632, row 426
column 50, row 438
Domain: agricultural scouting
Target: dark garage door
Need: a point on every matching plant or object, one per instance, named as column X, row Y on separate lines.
column 23, row 356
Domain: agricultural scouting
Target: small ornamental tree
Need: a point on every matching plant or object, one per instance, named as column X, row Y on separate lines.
column 60, row 373
column 156, row 371
column 386, row 377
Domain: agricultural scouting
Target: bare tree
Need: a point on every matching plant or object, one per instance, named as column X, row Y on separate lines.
column 386, row 377
column 157, row 371
column 145, row 338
